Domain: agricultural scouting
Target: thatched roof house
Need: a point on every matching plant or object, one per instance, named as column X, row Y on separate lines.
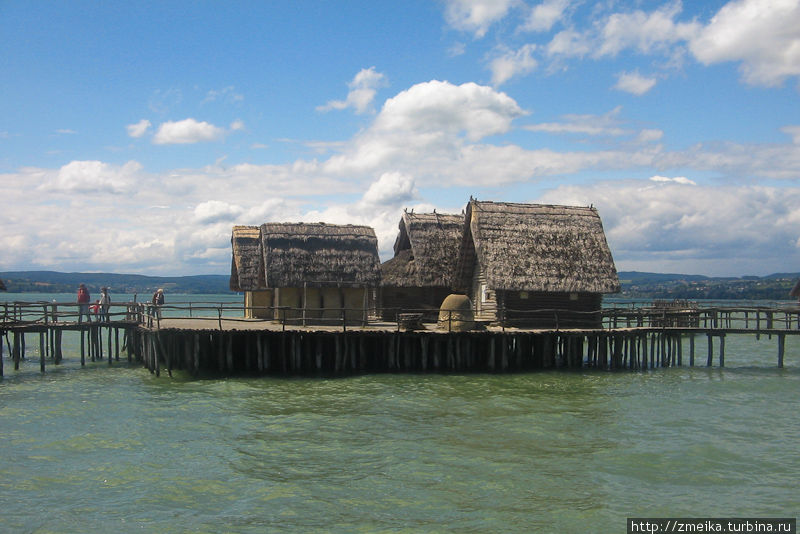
column 247, row 262
column 319, row 254
column 521, row 258
column 795, row 292
column 420, row 274
column 311, row 270
column 2, row 286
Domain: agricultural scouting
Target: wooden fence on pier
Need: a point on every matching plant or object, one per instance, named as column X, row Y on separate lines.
column 638, row 338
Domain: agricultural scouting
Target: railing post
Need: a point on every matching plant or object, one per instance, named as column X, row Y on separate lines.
column 219, row 317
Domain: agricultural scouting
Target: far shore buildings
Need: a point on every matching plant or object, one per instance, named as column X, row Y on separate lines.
column 305, row 271
column 526, row 265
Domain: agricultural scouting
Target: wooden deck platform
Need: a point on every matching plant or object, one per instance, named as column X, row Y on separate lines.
column 221, row 345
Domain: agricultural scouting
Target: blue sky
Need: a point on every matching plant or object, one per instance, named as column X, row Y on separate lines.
column 133, row 136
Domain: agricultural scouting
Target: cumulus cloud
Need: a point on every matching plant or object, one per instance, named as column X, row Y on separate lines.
column 363, row 88
column 762, row 35
column 512, row 63
column 634, row 83
column 138, row 129
column 476, row 16
column 425, row 127
column 93, row 176
column 187, row 131
column 391, row 188
column 678, row 180
column 214, row 211
column 645, row 32
column 543, row 16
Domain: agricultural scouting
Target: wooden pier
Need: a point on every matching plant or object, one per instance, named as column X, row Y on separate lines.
column 215, row 344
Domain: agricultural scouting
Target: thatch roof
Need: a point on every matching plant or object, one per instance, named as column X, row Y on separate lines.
column 247, row 265
column 425, row 251
column 2, row 286
column 795, row 292
column 319, row 254
column 534, row 247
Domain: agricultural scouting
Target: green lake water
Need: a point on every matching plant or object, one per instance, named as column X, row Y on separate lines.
column 116, row 449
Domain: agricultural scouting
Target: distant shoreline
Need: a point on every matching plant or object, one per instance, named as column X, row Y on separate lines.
column 635, row 285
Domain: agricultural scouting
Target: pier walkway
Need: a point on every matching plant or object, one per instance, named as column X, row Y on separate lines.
column 215, row 338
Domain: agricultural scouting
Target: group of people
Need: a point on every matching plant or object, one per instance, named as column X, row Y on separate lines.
column 100, row 308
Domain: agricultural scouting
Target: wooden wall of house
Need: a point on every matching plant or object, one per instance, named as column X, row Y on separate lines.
column 322, row 304
column 394, row 300
column 257, row 299
column 534, row 309
column 484, row 298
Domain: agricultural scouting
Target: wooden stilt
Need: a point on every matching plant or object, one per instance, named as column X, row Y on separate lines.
column 781, row 349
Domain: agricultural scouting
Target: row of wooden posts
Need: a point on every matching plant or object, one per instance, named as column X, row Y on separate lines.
column 98, row 341
column 317, row 352
column 336, row 352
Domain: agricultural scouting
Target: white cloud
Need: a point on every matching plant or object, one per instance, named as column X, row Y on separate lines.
column 763, row 34
column 214, row 211
column 65, row 131
column 228, row 94
column 391, row 188
column 543, row 16
column 476, row 16
column 607, row 124
column 138, row 129
column 678, row 180
column 569, row 43
column 794, row 132
column 634, row 83
column 665, row 226
column 512, row 63
column 93, row 176
column 187, row 131
column 644, row 32
column 649, row 135
column 363, row 88
column 425, row 127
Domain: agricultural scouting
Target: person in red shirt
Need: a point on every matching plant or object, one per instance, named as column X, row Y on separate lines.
column 83, row 303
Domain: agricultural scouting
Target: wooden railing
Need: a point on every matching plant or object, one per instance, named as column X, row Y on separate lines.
column 733, row 318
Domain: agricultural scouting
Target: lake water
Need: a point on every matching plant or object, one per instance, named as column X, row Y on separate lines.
column 117, row 449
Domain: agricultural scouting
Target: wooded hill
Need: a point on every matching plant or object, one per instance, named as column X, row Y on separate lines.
column 634, row 284
column 56, row 282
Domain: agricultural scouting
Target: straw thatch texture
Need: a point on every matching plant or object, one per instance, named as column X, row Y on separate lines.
column 533, row 247
column 319, row 254
column 2, row 286
column 795, row 292
column 247, row 267
column 426, row 251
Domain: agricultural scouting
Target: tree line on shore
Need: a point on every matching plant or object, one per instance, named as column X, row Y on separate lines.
column 634, row 284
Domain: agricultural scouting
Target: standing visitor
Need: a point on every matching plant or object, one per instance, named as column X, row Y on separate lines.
column 83, row 303
column 105, row 304
column 158, row 301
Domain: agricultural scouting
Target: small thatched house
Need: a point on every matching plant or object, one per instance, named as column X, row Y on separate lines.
column 247, row 271
column 795, row 292
column 2, row 286
column 420, row 274
column 309, row 271
column 521, row 262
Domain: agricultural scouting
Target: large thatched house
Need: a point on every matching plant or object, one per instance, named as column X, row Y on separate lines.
column 309, row 271
column 420, row 275
column 535, row 265
column 247, row 271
